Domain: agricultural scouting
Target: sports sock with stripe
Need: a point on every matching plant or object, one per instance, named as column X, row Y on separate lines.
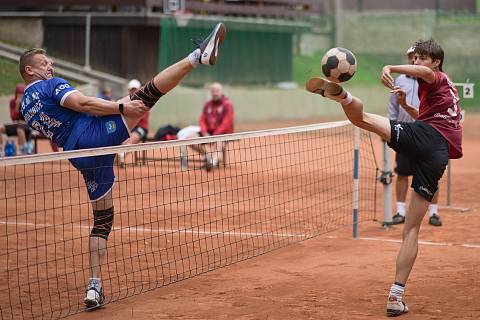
column 397, row 289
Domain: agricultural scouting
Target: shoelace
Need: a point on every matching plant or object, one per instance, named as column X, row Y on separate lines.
column 197, row 42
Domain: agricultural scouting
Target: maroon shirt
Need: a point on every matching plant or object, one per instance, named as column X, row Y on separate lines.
column 439, row 108
column 217, row 117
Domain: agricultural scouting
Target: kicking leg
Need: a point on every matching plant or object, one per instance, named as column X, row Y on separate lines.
column 352, row 106
column 166, row 80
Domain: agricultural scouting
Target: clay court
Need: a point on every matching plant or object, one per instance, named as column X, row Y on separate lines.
column 329, row 276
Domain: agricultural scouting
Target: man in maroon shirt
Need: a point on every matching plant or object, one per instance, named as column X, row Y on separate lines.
column 429, row 142
column 217, row 118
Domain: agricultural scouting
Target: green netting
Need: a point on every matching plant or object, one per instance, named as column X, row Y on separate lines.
column 252, row 56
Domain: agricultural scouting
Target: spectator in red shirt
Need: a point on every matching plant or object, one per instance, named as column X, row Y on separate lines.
column 217, row 118
column 18, row 127
column 140, row 132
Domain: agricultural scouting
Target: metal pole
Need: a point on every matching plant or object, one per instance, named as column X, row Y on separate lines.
column 356, row 139
column 386, row 179
column 449, row 182
column 88, row 26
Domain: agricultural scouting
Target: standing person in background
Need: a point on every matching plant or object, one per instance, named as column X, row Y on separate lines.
column 18, row 128
column 140, row 132
column 106, row 94
column 217, row 118
column 404, row 166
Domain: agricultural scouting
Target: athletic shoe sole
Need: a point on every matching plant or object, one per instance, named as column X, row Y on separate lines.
column 322, row 86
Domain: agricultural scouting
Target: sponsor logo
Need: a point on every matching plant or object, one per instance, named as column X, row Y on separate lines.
column 397, row 128
column 91, row 186
column 61, row 87
column 111, row 127
column 422, row 188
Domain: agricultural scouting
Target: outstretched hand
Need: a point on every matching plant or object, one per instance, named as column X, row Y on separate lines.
column 135, row 108
column 387, row 78
column 401, row 95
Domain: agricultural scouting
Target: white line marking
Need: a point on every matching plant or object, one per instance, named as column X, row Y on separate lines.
column 162, row 231
column 428, row 243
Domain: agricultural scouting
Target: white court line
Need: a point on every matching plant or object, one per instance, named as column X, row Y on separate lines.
column 165, row 231
column 428, row 243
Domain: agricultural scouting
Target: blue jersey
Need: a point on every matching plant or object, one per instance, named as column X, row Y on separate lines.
column 42, row 109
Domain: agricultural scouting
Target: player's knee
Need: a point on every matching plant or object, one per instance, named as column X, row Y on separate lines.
column 102, row 223
column 149, row 94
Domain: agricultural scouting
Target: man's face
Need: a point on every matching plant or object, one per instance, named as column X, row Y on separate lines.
column 426, row 61
column 216, row 93
column 41, row 67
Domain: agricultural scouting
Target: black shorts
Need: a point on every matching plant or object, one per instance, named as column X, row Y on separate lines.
column 427, row 150
column 11, row 129
column 404, row 166
column 142, row 132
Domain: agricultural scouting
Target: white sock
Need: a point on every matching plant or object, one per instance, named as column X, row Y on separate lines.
column 401, row 208
column 347, row 100
column 397, row 290
column 194, row 57
column 432, row 209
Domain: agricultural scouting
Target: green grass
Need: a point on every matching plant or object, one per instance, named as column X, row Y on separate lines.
column 368, row 74
column 9, row 77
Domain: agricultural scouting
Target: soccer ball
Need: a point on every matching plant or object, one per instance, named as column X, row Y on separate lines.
column 339, row 65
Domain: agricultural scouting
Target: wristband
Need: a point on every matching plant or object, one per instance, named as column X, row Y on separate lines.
column 120, row 108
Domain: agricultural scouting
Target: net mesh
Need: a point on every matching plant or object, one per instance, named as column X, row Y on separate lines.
column 170, row 223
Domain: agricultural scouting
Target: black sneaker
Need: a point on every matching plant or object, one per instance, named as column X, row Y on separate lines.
column 209, row 45
column 435, row 220
column 398, row 219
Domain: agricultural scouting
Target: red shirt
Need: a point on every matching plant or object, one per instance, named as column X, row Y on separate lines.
column 143, row 123
column 217, row 117
column 439, row 108
column 14, row 112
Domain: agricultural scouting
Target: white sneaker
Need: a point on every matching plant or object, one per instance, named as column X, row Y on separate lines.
column 396, row 307
column 94, row 297
column 209, row 46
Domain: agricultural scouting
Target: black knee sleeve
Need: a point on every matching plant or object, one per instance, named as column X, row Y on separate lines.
column 149, row 94
column 102, row 223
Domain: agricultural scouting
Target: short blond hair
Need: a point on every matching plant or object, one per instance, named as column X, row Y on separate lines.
column 26, row 58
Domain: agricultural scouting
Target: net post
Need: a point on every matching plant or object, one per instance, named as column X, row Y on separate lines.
column 386, row 180
column 183, row 158
column 449, row 181
column 356, row 139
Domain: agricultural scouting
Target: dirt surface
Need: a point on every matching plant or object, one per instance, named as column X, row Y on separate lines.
column 336, row 277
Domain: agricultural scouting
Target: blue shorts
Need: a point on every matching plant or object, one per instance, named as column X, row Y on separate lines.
column 98, row 171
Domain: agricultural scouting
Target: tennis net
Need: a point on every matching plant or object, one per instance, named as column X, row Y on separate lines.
column 173, row 219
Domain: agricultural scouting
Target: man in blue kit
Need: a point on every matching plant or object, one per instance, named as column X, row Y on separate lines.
column 75, row 121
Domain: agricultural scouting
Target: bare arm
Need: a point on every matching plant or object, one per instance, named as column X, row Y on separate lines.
column 416, row 71
column 79, row 102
